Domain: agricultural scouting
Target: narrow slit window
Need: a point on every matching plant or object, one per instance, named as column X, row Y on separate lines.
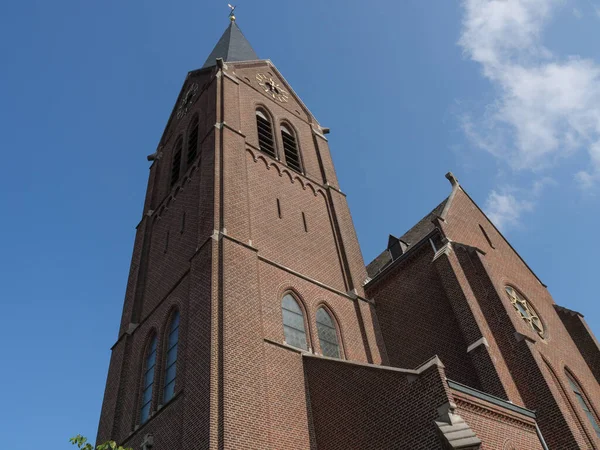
column 487, row 238
column 148, row 381
column 583, row 403
column 167, row 242
column 290, row 148
column 266, row 142
column 171, row 359
column 176, row 167
column 182, row 223
column 293, row 323
column 327, row 334
column 278, row 209
column 304, row 222
column 193, row 141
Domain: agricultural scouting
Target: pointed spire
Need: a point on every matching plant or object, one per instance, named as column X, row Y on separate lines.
column 232, row 46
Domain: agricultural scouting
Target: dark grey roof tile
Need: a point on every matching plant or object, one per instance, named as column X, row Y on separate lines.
column 232, row 46
column 413, row 236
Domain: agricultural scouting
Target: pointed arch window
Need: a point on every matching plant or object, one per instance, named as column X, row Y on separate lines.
column 293, row 322
column 192, row 150
column 327, row 331
column 290, row 148
column 266, row 142
column 176, row 167
column 171, row 358
column 583, row 402
column 148, row 380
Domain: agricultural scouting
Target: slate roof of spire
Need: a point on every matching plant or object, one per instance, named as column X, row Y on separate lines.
column 232, row 46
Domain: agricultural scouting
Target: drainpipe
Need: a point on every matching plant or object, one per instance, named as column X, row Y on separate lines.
column 539, row 433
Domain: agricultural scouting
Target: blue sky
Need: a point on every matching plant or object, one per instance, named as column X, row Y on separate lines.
column 506, row 94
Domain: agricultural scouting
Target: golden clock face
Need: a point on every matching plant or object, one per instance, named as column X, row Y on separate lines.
column 187, row 101
column 271, row 87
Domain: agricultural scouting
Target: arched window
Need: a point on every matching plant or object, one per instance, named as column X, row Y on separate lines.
column 148, row 380
column 293, row 322
column 192, row 141
column 290, row 148
column 171, row 358
column 176, row 167
column 327, row 334
column 583, row 402
column 265, row 133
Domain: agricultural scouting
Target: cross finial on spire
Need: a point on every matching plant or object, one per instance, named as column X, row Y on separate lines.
column 231, row 13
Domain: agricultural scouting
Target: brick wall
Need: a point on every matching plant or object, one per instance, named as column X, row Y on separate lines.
column 288, row 423
column 498, row 428
column 417, row 321
column 284, row 239
column 160, row 280
column 219, row 247
column 503, row 266
column 275, row 282
column 583, row 337
column 356, row 406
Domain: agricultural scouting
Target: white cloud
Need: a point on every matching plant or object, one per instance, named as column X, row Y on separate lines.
column 587, row 179
column 547, row 108
column 506, row 205
column 541, row 184
column 595, row 7
column 577, row 13
column 505, row 210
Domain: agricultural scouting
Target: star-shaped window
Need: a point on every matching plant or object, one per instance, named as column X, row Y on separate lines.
column 525, row 310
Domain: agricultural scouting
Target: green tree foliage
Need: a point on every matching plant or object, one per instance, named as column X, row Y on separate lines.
column 82, row 443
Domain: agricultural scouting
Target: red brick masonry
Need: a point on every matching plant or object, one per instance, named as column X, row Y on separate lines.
column 433, row 353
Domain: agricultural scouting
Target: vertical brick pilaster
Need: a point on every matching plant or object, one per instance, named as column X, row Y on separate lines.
column 472, row 322
column 244, row 400
column 199, row 432
column 109, row 412
column 583, row 337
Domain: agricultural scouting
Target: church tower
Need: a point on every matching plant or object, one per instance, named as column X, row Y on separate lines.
column 245, row 261
column 251, row 322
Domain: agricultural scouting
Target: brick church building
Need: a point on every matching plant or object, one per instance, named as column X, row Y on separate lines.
column 251, row 321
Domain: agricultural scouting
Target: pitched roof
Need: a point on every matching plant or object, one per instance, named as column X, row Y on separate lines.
column 232, row 46
column 424, row 226
column 413, row 236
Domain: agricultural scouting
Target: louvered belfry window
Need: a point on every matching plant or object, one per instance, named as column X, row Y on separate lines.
column 290, row 148
column 193, row 141
column 148, row 381
column 176, row 167
column 265, row 134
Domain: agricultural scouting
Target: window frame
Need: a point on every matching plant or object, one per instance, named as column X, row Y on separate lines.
column 583, row 401
column 177, row 148
column 151, row 343
column 261, row 111
column 194, row 123
column 306, row 330
column 520, row 299
column 336, row 325
column 291, row 130
column 165, row 358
